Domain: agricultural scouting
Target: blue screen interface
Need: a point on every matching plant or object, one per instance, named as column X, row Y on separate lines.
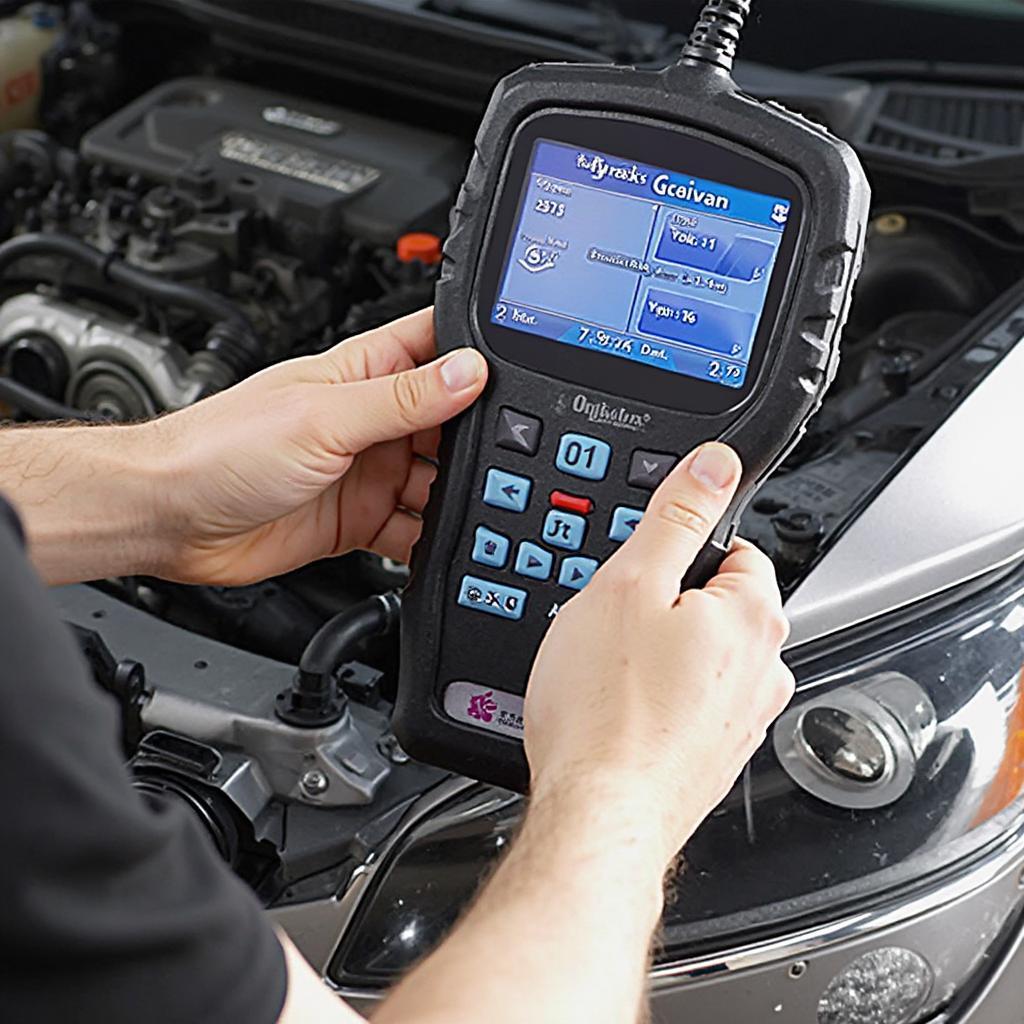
column 642, row 263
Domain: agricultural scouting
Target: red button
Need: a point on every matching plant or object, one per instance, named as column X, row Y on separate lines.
column 572, row 503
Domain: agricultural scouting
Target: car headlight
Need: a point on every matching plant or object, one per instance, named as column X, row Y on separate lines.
column 899, row 764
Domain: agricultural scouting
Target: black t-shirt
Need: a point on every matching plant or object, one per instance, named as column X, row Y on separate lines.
column 110, row 911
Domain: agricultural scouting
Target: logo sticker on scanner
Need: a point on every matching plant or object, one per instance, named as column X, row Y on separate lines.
column 485, row 708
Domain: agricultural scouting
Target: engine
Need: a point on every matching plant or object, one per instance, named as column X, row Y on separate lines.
column 203, row 231
column 171, row 221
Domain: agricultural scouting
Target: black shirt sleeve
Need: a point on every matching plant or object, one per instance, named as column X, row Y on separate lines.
column 110, row 911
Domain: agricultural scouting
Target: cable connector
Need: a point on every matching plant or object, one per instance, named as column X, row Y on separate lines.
column 716, row 35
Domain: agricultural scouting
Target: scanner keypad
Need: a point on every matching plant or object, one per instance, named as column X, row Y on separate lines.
column 507, row 491
column 540, row 546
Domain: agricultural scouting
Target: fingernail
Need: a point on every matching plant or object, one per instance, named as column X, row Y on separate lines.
column 462, row 370
column 715, row 466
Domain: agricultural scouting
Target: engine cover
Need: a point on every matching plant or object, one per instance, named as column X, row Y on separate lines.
column 313, row 170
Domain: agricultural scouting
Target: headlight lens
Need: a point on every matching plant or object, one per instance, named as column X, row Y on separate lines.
column 913, row 742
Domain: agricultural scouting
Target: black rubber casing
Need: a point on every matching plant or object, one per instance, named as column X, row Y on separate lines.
column 442, row 642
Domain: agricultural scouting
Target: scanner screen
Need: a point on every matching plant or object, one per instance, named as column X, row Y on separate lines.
column 654, row 266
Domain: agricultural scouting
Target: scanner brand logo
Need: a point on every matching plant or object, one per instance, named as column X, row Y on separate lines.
column 600, row 169
column 482, row 706
column 603, row 414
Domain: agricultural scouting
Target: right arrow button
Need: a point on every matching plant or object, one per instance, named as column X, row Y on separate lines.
column 576, row 572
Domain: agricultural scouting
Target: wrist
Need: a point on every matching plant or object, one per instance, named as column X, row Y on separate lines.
column 153, row 485
column 621, row 815
column 636, row 810
column 590, row 841
column 91, row 499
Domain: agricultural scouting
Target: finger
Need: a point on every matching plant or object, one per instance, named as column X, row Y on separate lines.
column 681, row 517
column 427, row 443
column 781, row 687
column 748, row 568
column 417, row 487
column 357, row 415
column 397, row 346
column 747, row 578
column 396, row 537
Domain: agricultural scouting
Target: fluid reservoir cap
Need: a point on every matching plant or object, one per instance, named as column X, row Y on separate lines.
column 845, row 744
column 419, row 246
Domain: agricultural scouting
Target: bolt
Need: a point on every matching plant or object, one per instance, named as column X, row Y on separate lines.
column 389, row 747
column 798, row 525
column 891, row 224
column 797, row 970
column 314, row 782
column 896, row 370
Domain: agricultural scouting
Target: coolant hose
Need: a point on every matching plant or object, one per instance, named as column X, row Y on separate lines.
column 332, row 644
column 314, row 700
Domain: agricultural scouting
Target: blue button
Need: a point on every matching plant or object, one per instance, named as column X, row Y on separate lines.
column 576, row 573
column 507, row 491
column 624, row 522
column 490, row 548
column 493, row 598
column 564, row 530
column 582, row 456
column 533, row 561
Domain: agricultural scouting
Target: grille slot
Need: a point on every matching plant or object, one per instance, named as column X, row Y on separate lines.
column 932, row 124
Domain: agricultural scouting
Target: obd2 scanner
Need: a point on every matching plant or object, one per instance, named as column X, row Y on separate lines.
column 648, row 260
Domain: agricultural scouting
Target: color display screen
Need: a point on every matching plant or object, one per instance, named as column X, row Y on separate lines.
column 642, row 263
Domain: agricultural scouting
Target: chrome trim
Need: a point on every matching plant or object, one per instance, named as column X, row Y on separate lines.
column 798, row 945
column 953, row 513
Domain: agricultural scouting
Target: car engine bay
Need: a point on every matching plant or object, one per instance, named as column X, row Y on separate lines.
column 171, row 224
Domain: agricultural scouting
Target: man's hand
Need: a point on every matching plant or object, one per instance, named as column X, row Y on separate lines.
column 643, row 707
column 313, row 457
column 655, row 699
column 307, row 459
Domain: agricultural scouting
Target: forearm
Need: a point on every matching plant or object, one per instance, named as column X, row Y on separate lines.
column 89, row 497
column 561, row 933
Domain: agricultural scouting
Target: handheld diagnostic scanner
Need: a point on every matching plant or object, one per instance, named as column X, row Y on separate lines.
column 648, row 260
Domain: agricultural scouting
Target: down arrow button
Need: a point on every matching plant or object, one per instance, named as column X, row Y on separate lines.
column 648, row 469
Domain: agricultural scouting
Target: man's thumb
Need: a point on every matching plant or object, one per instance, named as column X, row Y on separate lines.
column 682, row 515
column 387, row 408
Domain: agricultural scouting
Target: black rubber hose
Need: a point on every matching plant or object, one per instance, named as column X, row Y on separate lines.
column 208, row 304
column 333, row 643
column 39, row 406
column 716, row 36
